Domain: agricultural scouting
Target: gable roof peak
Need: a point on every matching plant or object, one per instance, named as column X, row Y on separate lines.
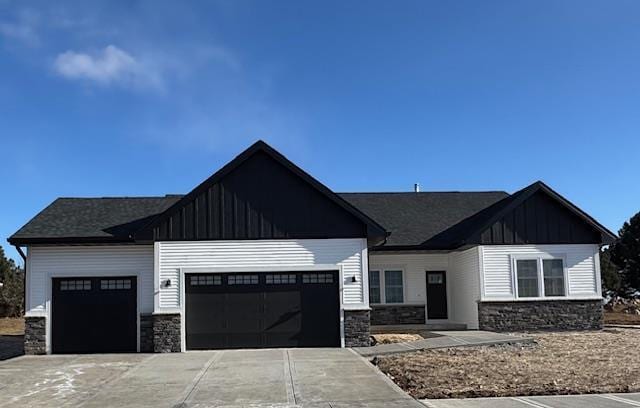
column 373, row 227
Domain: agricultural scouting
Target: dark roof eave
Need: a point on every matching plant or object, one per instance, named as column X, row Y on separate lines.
column 390, row 248
column 69, row 240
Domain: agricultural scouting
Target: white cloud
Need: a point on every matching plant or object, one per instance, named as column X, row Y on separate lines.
column 112, row 65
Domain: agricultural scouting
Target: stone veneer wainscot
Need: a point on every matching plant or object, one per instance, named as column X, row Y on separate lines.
column 541, row 315
column 397, row 314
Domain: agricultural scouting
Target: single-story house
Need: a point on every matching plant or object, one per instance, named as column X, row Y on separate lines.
column 261, row 254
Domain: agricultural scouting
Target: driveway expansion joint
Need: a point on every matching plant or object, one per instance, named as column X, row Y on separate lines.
column 289, row 369
column 194, row 384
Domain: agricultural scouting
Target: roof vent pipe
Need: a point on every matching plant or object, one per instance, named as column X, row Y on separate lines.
column 416, row 187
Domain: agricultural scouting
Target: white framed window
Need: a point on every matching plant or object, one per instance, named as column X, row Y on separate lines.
column 553, row 270
column 527, row 278
column 393, row 286
column 374, row 287
column 539, row 277
column 386, row 285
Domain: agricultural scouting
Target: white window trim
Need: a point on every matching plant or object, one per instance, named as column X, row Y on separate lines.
column 540, row 269
column 383, row 295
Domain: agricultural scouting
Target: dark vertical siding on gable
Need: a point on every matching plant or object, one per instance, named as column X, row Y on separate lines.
column 261, row 199
column 539, row 220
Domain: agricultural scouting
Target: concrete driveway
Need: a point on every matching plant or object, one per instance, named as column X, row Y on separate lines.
column 256, row 378
column 553, row 401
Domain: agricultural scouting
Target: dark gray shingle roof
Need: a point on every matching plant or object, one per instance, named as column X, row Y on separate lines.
column 411, row 218
column 415, row 218
column 93, row 218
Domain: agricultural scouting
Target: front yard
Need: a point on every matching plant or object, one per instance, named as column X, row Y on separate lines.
column 559, row 363
column 623, row 313
column 11, row 326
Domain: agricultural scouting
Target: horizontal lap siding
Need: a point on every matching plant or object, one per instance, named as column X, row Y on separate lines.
column 580, row 264
column 89, row 261
column 464, row 281
column 261, row 254
column 497, row 271
column 582, row 276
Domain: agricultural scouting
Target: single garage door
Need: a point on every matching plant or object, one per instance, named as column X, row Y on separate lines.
column 94, row 315
column 250, row 310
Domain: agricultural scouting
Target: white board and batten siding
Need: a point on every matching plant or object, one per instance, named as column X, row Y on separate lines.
column 47, row 262
column 349, row 256
column 581, row 262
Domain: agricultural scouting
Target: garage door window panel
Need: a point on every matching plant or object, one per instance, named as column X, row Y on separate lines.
column 115, row 284
column 317, row 278
column 242, row 279
column 75, row 285
column 280, row 279
column 205, row 280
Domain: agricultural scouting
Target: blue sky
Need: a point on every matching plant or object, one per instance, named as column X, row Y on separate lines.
column 149, row 97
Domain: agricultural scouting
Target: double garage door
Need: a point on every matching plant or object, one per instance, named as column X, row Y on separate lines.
column 246, row 310
column 288, row 309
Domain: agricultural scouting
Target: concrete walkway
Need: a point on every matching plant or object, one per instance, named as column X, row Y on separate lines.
column 552, row 401
column 445, row 339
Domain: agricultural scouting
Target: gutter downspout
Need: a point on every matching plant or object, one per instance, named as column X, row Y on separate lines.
column 24, row 281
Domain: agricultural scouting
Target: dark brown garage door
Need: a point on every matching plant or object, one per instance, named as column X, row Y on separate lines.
column 94, row 315
column 262, row 310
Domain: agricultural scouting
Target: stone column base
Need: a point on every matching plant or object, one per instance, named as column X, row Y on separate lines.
column 357, row 328
column 35, row 335
column 166, row 333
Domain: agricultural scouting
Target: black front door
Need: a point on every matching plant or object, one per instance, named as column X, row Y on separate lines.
column 246, row 310
column 436, row 295
column 94, row 315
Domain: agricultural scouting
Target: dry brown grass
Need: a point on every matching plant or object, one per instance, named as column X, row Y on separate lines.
column 388, row 338
column 560, row 363
column 621, row 318
column 11, row 326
